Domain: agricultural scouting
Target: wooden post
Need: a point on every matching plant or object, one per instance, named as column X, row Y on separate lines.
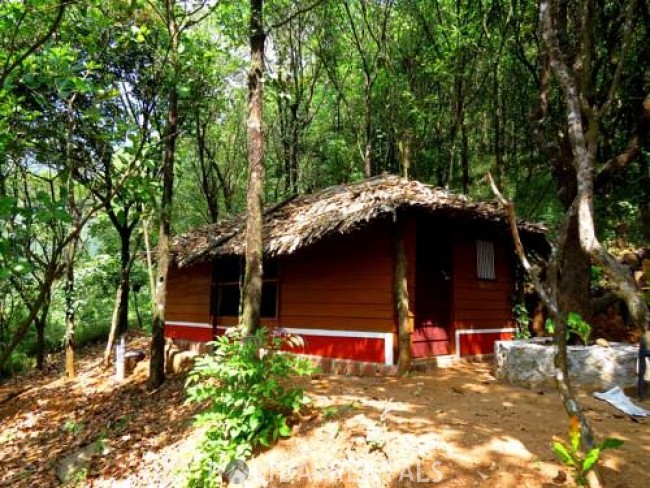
column 402, row 300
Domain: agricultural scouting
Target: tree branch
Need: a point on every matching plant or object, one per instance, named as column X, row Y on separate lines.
column 296, row 13
column 38, row 43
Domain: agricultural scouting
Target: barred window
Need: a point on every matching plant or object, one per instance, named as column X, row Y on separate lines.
column 228, row 282
column 485, row 260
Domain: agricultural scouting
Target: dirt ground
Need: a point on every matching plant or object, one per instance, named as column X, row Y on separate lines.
column 453, row 427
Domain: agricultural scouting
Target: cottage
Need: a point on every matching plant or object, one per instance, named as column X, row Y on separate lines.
column 330, row 272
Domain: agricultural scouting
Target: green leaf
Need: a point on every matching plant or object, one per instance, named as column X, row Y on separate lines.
column 590, row 459
column 285, row 430
column 561, row 452
column 611, row 443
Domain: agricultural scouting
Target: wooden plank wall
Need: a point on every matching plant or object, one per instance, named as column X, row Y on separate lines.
column 188, row 294
column 342, row 283
column 481, row 304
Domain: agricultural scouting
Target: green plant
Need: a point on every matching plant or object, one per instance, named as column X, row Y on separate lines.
column 522, row 319
column 73, row 427
column 573, row 457
column 249, row 401
column 575, row 324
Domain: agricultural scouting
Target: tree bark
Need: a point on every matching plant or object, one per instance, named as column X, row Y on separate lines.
column 21, row 330
column 402, row 300
column 70, row 308
column 367, row 126
column 498, row 146
column 584, row 145
column 464, row 157
column 120, row 318
column 644, row 204
column 157, row 363
column 548, row 292
column 41, row 323
column 252, row 287
column 71, row 247
column 150, row 270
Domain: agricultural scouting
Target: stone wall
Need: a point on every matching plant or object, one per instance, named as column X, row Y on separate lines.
column 531, row 364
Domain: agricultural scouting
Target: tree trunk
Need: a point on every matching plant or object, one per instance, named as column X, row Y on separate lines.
column 405, row 153
column 644, row 204
column 22, row 329
column 41, row 323
column 367, row 124
column 295, row 148
column 150, row 270
column 208, row 185
column 252, row 287
column 402, row 300
column 584, row 146
column 70, row 308
column 120, row 318
column 157, row 364
column 71, row 248
column 574, row 280
column 464, row 157
column 498, row 149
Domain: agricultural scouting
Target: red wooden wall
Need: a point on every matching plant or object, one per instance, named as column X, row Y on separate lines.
column 481, row 304
column 344, row 283
column 188, row 302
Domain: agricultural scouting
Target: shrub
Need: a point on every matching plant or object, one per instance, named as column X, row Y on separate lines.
column 249, row 402
column 573, row 457
column 575, row 324
column 522, row 319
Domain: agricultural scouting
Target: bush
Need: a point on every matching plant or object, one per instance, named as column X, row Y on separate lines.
column 575, row 325
column 249, row 403
column 572, row 456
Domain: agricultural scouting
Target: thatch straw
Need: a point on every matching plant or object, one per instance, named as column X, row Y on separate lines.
column 304, row 220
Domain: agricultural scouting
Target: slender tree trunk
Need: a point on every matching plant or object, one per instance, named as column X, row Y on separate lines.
column 252, row 287
column 367, row 124
column 150, row 270
column 295, row 148
column 120, row 318
column 402, row 300
column 136, row 302
column 71, row 249
column 157, row 364
column 22, row 329
column 644, row 204
column 498, row 149
column 405, row 153
column 208, row 185
column 548, row 292
column 464, row 157
column 70, row 308
column 41, row 323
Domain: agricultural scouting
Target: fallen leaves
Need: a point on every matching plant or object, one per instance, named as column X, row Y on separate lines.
column 54, row 418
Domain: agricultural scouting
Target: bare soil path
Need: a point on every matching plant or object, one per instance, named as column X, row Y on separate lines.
column 454, row 427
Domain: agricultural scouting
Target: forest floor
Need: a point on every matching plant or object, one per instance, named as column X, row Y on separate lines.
column 453, row 427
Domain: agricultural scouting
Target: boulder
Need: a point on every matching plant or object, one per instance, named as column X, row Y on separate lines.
column 531, row 364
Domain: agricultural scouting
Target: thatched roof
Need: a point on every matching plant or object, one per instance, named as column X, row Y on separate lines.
column 306, row 219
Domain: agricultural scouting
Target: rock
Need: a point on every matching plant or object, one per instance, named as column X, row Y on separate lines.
column 602, row 342
column 78, row 461
column 532, row 366
column 560, row 477
column 182, row 361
